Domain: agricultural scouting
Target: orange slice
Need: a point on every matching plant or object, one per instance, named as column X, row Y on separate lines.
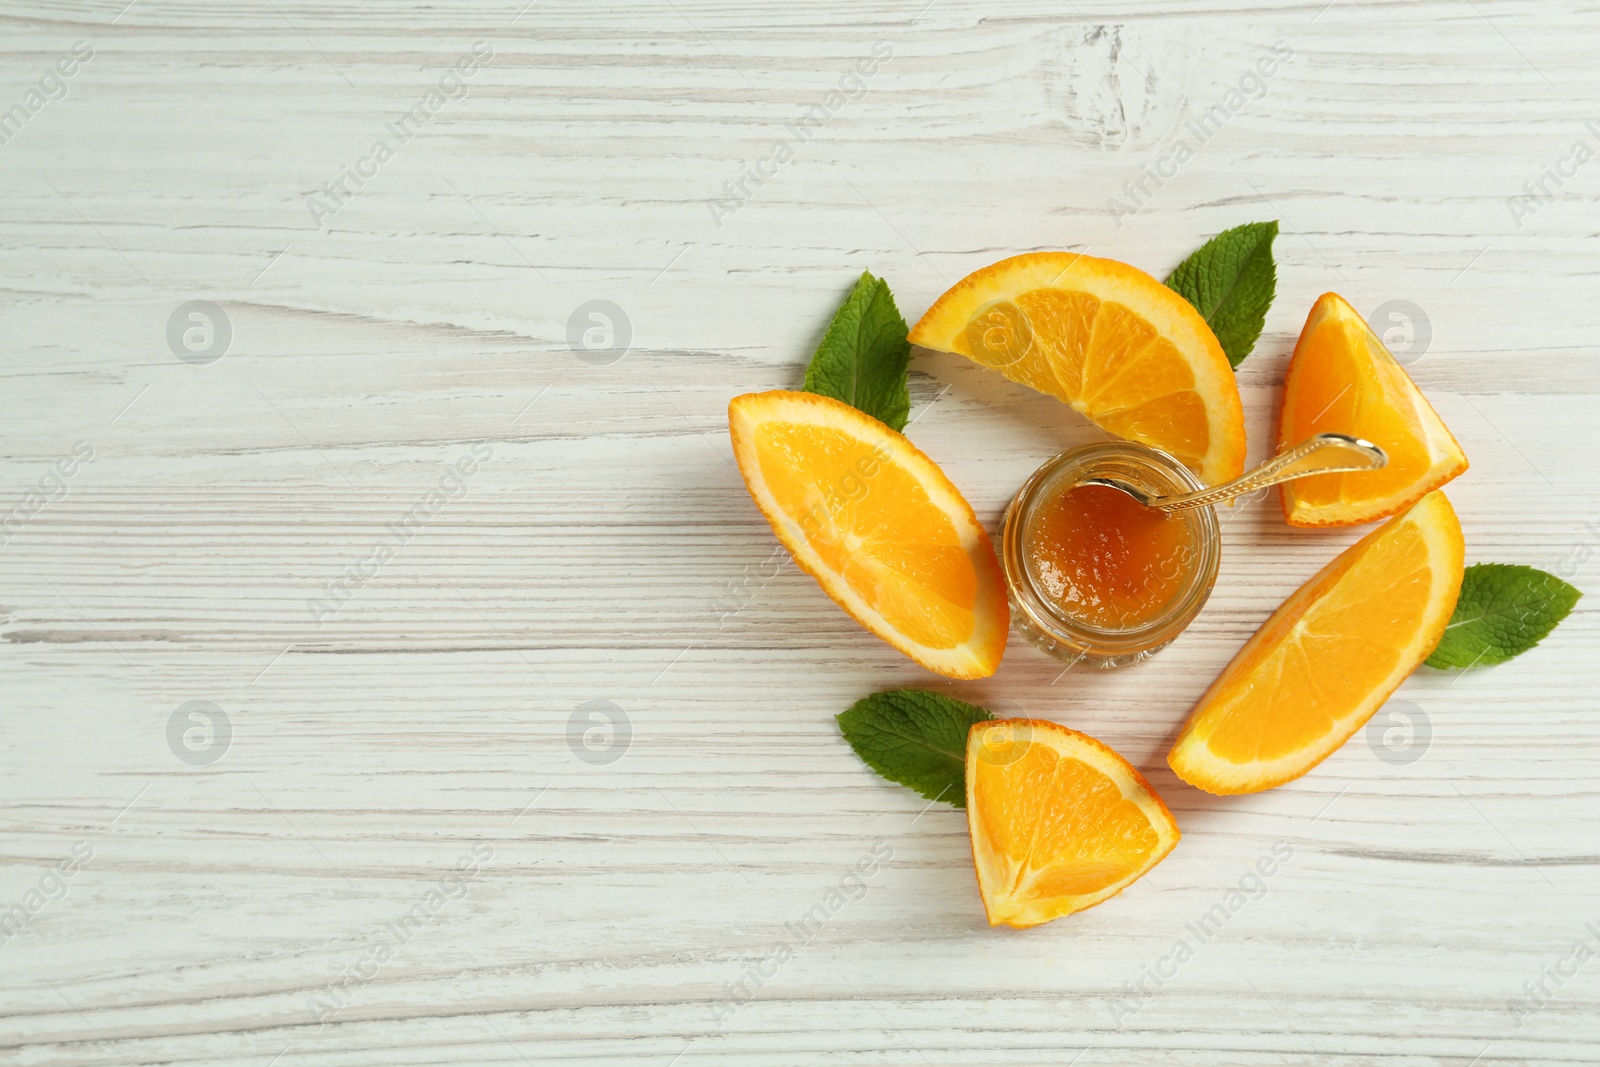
column 1328, row 657
column 877, row 524
column 1129, row 354
column 1059, row 822
column 1343, row 379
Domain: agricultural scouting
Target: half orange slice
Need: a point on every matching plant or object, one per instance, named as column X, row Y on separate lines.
column 1343, row 379
column 1328, row 657
column 1059, row 822
column 1129, row 354
column 877, row 524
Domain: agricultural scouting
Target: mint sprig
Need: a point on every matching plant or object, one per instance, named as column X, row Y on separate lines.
column 1231, row 280
column 916, row 738
column 1504, row 610
column 863, row 358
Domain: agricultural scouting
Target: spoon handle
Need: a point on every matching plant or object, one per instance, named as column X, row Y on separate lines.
column 1323, row 453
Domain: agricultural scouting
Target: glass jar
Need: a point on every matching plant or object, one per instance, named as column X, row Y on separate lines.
column 1046, row 622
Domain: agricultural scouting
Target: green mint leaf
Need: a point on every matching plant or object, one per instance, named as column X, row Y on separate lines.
column 916, row 738
column 1504, row 610
column 862, row 359
column 1231, row 280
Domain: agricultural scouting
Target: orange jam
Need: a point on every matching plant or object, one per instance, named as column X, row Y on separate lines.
column 1106, row 559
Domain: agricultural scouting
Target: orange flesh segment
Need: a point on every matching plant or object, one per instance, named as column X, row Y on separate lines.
column 1343, row 380
column 1070, row 828
column 1342, row 645
column 878, row 525
column 1059, row 821
column 1178, row 422
column 1121, row 348
column 1320, row 666
column 1100, row 357
column 1062, row 322
column 891, row 544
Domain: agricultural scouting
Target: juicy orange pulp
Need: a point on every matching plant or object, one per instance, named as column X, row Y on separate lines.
column 1128, row 353
column 877, row 524
column 1328, row 658
column 1105, row 558
column 888, row 543
column 1343, row 379
column 1059, row 822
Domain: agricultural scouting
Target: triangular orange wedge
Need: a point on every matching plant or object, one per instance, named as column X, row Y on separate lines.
column 1059, row 822
column 1328, row 657
column 1129, row 354
column 877, row 524
column 1342, row 379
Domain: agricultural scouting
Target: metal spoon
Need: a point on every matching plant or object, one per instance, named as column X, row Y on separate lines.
column 1323, row 453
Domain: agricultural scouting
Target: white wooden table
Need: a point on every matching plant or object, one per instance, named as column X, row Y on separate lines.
column 390, row 650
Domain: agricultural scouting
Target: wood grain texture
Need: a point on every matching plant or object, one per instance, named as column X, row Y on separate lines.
column 606, row 550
